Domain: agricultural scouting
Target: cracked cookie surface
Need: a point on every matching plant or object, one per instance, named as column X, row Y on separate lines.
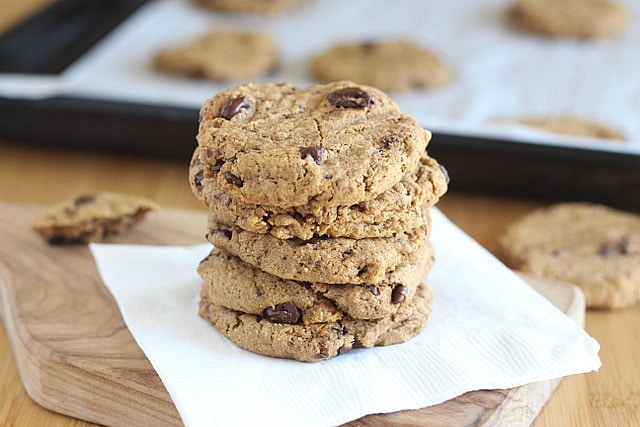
column 276, row 144
column 594, row 247
column 319, row 341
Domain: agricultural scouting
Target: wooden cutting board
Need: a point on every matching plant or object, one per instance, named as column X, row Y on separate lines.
column 76, row 356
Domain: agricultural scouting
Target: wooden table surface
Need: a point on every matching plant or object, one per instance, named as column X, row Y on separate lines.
column 41, row 175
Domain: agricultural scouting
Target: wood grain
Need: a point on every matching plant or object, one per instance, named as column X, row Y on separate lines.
column 75, row 355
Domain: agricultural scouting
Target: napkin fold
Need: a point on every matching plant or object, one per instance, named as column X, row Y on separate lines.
column 488, row 329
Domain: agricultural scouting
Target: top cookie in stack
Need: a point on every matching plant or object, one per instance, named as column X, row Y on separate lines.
column 321, row 191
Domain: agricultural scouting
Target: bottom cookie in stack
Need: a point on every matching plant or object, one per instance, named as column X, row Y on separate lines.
column 309, row 321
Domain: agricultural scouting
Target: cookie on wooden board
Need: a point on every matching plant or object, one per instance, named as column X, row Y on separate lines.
column 319, row 341
column 276, row 144
column 91, row 217
column 232, row 283
column 402, row 207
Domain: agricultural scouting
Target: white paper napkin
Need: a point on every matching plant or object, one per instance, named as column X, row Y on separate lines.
column 488, row 330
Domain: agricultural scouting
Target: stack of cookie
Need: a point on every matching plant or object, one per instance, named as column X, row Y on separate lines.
column 318, row 201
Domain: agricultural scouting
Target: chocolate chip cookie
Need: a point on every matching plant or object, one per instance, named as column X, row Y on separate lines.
column 276, row 144
column 221, row 56
column 402, row 207
column 319, row 341
column 232, row 283
column 569, row 18
column 592, row 246
column 91, row 217
column 327, row 260
column 395, row 65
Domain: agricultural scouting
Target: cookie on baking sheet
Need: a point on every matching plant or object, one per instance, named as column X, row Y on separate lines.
column 91, row 217
column 221, row 56
column 569, row 18
column 592, row 246
column 396, row 65
column 276, row 144
column 571, row 125
column 326, row 260
column 232, row 283
column 249, row 6
column 280, row 336
column 402, row 207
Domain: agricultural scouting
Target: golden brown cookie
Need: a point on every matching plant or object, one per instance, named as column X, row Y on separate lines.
column 571, row 125
column 232, row 283
column 591, row 246
column 569, row 18
column 91, row 217
column 327, row 260
column 276, row 144
column 281, row 336
column 221, row 56
column 396, row 65
column 402, row 207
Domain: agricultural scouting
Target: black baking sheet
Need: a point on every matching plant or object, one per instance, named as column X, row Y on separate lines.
column 53, row 39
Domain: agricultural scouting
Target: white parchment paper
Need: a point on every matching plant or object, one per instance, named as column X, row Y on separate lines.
column 499, row 71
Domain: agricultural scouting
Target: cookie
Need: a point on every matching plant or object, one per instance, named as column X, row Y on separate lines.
column 327, row 260
column 232, row 283
column 319, row 341
column 396, row 65
column 221, row 56
column 249, row 6
column 402, row 207
column 569, row 18
column 570, row 125
column 592, row 246
column 91, row 217
column 276, row 144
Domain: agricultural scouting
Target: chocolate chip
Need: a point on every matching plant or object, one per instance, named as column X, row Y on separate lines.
column 196, row 161
column 84, row 200
column 374, row 290
column 445, row 172
column 611, row 249
column 387, row 140
column 317, row 154
column 233, row 107
column 286, row 312
column 398, row 294
column 233, row 179
column 351, row 97
column 198, row 177
column 368, row 45
column 222, row 232
column 216, row 167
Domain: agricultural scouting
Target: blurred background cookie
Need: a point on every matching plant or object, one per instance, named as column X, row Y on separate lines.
column 569, row 18
column 395, row 65
column 591, row 246
column 221, row 56
column 249, row 6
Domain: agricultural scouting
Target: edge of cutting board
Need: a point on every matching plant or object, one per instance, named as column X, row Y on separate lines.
column 75, row 355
